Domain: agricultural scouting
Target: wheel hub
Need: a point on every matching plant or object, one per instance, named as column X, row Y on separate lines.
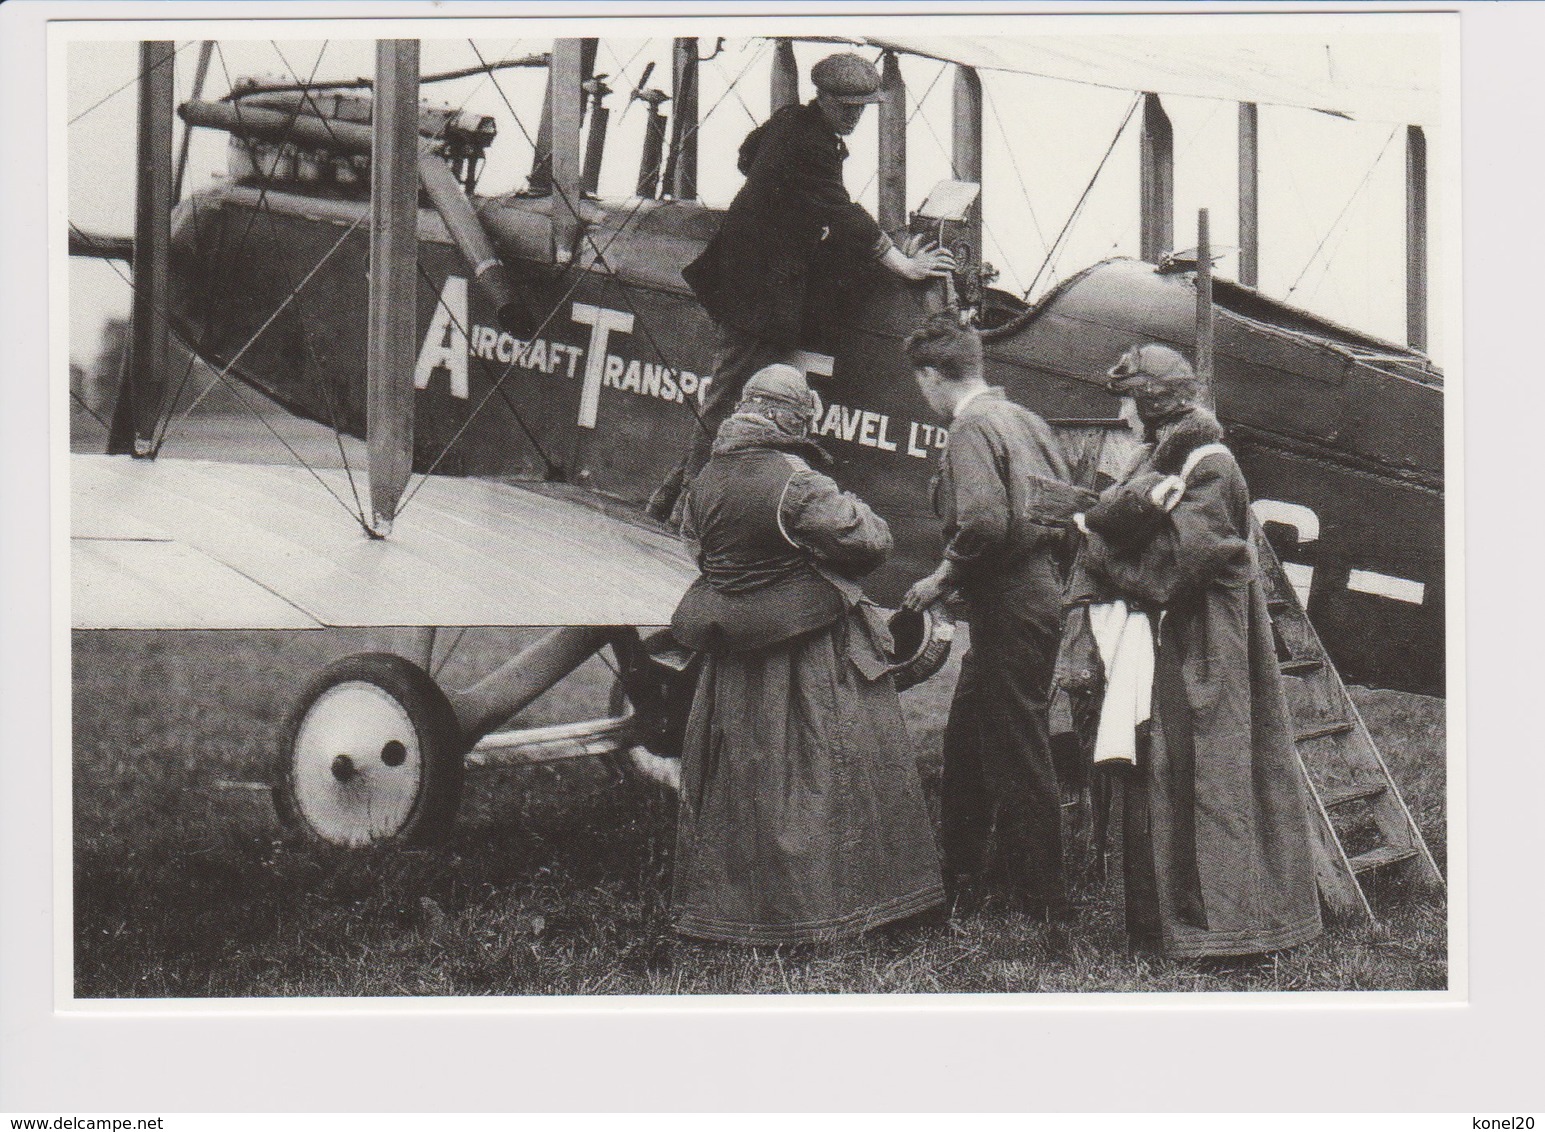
column 357, row 766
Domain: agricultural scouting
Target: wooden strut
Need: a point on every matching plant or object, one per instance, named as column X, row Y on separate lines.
column 966, row 148
column 566, row 110
column 891, row 206
column 681, row 165
column 393, row 330
column 1156, row 182
column 783, row 86
column 1204, row 312
column 1249, row 195
column 1416, row 238
column 139, row 398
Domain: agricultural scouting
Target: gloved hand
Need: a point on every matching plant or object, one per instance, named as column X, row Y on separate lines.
column 921, row 260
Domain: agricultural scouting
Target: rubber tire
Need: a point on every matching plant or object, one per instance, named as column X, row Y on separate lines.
column 442, row 749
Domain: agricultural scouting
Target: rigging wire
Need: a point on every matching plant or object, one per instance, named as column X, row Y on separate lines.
column 278, row 310
column 224, row 374
column 955, row 173
column 440, row 664
column 599, row 253
column 220, row 250
column 81, row 401
column 306, row 98
column 1336, row 223
column 276, row 249
column 537, row 60
column 579, row 277
column 622, row 73
column 1083, row 197
column 466, row 336
column 477, row 89
column 755, row 121
column 1192, row 141
column 236, row 388
column 1019, row 176
column 138, row 75
column 917, row 108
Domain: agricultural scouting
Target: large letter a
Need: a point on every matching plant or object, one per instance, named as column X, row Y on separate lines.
column 446, row 343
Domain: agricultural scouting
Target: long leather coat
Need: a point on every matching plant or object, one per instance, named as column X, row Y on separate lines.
column 761, row 518
column 1217, row 855
column 792, row 228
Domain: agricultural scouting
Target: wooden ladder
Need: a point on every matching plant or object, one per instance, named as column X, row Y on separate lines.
column 1361, row 824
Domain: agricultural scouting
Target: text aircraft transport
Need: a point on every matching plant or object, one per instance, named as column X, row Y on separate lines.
column 527, row 368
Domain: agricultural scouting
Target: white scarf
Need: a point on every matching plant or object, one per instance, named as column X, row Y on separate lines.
column 1124, row 638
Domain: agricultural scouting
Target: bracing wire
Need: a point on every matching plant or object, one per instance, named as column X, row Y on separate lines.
column 506, row 63
column 276, row 249
column 1336, row 223
column 483, row 364
column 917, row 108
column 622, row 71
column 579, row 276
column 1019, row 176
column 278, row 310
column 92, row 413
column 600, row 252
column 1192, row 141
column 987, row 228
column 224, row 374
column 138, row 75
column 1083, row 197
column 169, row 410
column 441, row 663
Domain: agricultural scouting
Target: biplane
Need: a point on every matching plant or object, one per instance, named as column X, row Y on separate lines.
column 525, row 368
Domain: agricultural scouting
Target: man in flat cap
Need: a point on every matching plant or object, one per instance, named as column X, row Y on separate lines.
column 791, row 226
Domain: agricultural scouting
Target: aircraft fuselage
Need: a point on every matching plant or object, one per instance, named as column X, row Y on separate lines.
column 1339, row 435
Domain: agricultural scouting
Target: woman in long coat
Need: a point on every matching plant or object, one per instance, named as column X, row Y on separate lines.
column 1217, row 857
column 802, row 813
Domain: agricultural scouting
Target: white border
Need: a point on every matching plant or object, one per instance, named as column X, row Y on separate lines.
column 962, row 1052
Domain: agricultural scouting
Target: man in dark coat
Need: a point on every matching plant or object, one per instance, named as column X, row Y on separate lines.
column 1216, row 825
column 1004, row 496
column 790, row 229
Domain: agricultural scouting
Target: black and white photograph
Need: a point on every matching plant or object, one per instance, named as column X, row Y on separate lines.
column 809, row 507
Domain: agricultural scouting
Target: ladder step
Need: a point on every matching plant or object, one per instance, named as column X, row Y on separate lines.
column 1380, row 857
column 1325, row 732
column 1301, row 666
column 1330, row 799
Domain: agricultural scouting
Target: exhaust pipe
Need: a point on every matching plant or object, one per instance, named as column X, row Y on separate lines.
column 488, row 272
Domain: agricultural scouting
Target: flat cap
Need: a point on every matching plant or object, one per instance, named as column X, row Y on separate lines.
column 847, row 78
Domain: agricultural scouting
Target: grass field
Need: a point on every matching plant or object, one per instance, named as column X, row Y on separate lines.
column 555, row 880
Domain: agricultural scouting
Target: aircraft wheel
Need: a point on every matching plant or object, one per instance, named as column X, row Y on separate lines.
column 372, row 754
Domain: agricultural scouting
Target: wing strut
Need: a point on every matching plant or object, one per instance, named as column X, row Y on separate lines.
column 139, row 398
column 1249, row 194
column 393, row 281
column 1416, row 238
column 1156, row 182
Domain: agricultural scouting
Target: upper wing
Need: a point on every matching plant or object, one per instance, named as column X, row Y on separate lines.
column 187, row 544
column 1280, row 70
